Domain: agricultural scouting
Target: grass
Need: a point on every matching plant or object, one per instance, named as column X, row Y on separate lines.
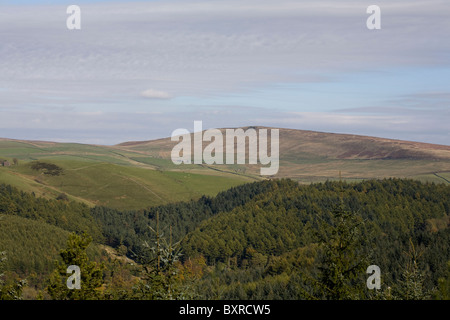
column 110, row 176
column 142, row 175
column 113, row 185
column 159, row 163
column 356, row 170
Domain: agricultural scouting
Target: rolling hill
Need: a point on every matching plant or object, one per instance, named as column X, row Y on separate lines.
column 309, row 156
column 256, row 240
column 134, row 175
column 102, row 175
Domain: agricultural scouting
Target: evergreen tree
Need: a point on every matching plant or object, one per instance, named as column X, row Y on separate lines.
column 11, row 291
column 160, row 276
column 91, row 272
column 343, row 260
column 411, row 286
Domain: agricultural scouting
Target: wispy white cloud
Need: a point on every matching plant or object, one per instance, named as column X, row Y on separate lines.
column 219, row 45
column 155, row 94
column 197, row 48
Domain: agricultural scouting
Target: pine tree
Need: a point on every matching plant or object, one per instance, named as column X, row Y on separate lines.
column 160, row 277
column 11, row 291
column 412, row 284
column 342, row 260
column 91, row 272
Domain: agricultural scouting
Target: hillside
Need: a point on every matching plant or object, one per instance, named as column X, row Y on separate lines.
column 102, row 175
column 260, row 240
column 269, row 246
column 254, row 241
column 310, row 156
column 34, row 230
column 243, row 236
column 140, row 174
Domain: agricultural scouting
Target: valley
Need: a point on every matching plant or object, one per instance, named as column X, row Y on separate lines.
column 228, row 232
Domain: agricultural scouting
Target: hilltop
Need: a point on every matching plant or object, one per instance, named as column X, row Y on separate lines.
column 140, row 174
column 310, row 156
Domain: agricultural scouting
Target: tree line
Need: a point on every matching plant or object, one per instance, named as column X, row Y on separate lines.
column 274, row 239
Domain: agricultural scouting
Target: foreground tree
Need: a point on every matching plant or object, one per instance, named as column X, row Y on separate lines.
column 11, row 291
column 412, row 284
column 342, row 260
column 161, row 277
column 91, row 272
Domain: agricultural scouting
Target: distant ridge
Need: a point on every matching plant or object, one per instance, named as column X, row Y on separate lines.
column 306, row 156
column 312, row 156
column 329, row 145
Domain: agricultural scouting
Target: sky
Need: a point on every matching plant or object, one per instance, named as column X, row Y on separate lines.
column 138, row 70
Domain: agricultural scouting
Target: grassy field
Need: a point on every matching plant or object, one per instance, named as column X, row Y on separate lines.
column 357, row 170
column 101, row 175
column 113, row 185
column 141, row 174
column 309, row 156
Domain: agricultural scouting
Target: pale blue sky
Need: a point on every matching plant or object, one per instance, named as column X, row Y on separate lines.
column 139, row 70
